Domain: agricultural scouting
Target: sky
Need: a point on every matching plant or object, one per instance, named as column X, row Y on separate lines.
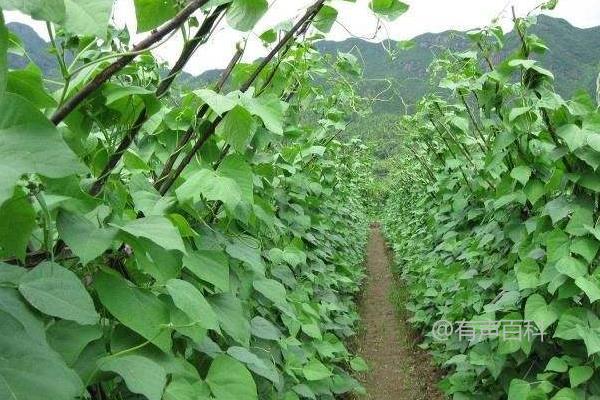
column 354, row 20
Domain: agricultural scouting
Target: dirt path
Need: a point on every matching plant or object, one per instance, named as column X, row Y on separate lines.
column 399, row 370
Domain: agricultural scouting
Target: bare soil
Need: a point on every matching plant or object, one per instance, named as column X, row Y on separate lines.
column 399, row 369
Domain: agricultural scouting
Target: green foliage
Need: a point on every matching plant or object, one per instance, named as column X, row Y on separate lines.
column 237, row 283
column 492, row 213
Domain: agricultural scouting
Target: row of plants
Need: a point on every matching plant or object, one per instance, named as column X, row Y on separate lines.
column 493, row 216
column 168, row 242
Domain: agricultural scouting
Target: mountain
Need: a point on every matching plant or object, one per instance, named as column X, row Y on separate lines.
column 574, row 57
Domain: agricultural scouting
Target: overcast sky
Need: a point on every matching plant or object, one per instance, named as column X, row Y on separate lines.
column 355, row 19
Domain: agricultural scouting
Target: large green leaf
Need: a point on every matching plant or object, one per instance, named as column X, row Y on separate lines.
column 390, row 9
column 231, row 317
column 212, row 186
column 28, row 82
column 325, row 18
column 580, row 374
column 237, row 128
column 138, row 309
column 69, row 339
column 589, row 287
column 267, row 107
column 158, row 229
column 151, row 13
column 141, row 375
column 314, row 370
column 12, row 303
column 85, row 239
column 29, row 143
column 56, row 291
column 182, row 389
column 255, row 364
column 48, row 10
column 89, row 17
column 235, row 167
column 571, row 267
column 211, row 266
column 244, row 14
column 192, row 302
column 538, row 311
column 17, row 222
column 30, row 370
column 230, row 380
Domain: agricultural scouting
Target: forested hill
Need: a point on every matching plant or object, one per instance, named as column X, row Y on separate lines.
column 574, row 59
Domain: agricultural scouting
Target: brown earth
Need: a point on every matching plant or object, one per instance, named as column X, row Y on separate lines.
column 399, row 369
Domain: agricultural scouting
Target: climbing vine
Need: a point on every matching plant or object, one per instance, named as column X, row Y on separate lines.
column 494, row 217
column 168, row 242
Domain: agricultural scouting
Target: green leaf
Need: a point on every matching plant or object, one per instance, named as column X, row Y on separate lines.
column 585, row 247
column 69, row 339
column 158, row 229
column 589, row 287
column 272, row 290
column 565, row 394
column 314, row 370
column 568, row 323
column 534, row 190
column 521, row 174
column 591, row 338
column 12, row 303
column 30, row 370
column 89, row 17
column 28, row 83
column 137, row 309
column 192, row 302
column 151, row 13
column 244, row 14
column 518, row 389
column 83, row 237
column 268, row 107
column 181, row 389
column 538, row 311
column 29, row 143
column 46, row 10
column 230, row 380
column 212, row 186
column 17, row 222
column 579, row 375
column 56, row 291
column 325, row 18
column 264, row 329
column 231, row 317
column 211, row 266
column 558, row 209
column 527, row 274
column 247, row 251
column 573, row 135
column 571, row 267
column 255, row 364
column 237, row 128
column 141, row 375
column 391, row 9
column 219, row 103
column 557, row 364
column 235, row 167
column 359, row 365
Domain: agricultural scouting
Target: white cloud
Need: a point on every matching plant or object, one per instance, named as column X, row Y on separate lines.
column 355, row 19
